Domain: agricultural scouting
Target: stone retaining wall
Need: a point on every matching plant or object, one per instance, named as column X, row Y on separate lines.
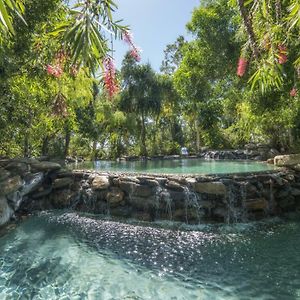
column 27, row 186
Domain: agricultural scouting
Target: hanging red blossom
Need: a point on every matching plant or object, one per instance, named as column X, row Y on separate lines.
column 282, row 55
column 135, row 53
column 128, row 38
column 293, row 92
column 242, row 66
column 110, row 81
column 55, row 70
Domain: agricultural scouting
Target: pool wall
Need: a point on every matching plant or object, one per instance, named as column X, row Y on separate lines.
column 33, row 186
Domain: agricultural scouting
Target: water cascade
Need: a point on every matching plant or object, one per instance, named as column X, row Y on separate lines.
column 191, row 201
column 11, row 202
column 163, row 202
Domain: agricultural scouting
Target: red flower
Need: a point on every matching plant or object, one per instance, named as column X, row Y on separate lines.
column 128, row 38
column 293, row 92
column 135, row 53
column 282, row 55
column 110, row 81
column 242, row 66
column 55, row 71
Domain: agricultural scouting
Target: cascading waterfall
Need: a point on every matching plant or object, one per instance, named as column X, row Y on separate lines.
column 11, row 202
column 162, row 195
column 231, row 200
column 271, row 203
column 243, row 193
column 236, row 198
column 90, row 199
column 191, row 200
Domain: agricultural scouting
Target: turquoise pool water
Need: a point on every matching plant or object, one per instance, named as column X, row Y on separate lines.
column 178, row 166
column 71, row 256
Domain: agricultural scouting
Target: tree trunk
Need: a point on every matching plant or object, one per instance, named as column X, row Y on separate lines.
column 26, row 144
column 291, row 138
column 94, row 156
column 197, row 135
column 67, row 140
column 45, row 146
column 143, row 137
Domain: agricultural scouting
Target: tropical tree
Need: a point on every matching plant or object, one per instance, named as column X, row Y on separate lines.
column 207, row 63
column 270, row 31
column 172, row 56
column 141, row 94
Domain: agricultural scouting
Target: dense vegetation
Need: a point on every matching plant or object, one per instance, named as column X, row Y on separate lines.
column 235, row 82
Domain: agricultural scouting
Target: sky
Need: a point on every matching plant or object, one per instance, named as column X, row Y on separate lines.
column 154, row 24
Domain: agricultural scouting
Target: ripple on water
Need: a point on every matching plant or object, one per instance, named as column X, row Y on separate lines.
column 72, row 256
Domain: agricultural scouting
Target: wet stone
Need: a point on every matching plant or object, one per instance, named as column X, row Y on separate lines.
column 143, row 191
column 10, row 185
column 100, row 183
column 173, row 185
column 62, row 183
column 287, row 160
column 45, row 166
column 5, row 211
column 216, row 188
column 128, row 187
column 256, row 204
column 115, row 197
column 142, row 203
column 4, row 174
column 18, row 168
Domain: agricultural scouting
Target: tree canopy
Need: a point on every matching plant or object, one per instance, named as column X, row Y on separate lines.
column 235, row 81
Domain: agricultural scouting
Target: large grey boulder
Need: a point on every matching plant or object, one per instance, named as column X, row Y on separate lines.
column 60, row 183
column 100, row 183
column 4, row 174
column 287, row 160
column 45, row 166
column 10, row 185
column 115, row 197
column 5, row 211
column 214, row 187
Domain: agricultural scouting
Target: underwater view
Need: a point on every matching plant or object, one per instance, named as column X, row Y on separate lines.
column 63, row 255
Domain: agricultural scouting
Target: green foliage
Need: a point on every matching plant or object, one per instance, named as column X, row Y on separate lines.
column 84, row 33
column 197, row 101
column 274, row 24
column 8, row 9
column 141, row 94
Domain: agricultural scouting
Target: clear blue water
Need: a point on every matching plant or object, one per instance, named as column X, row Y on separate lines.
column 71, row 256
column 178, row 166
